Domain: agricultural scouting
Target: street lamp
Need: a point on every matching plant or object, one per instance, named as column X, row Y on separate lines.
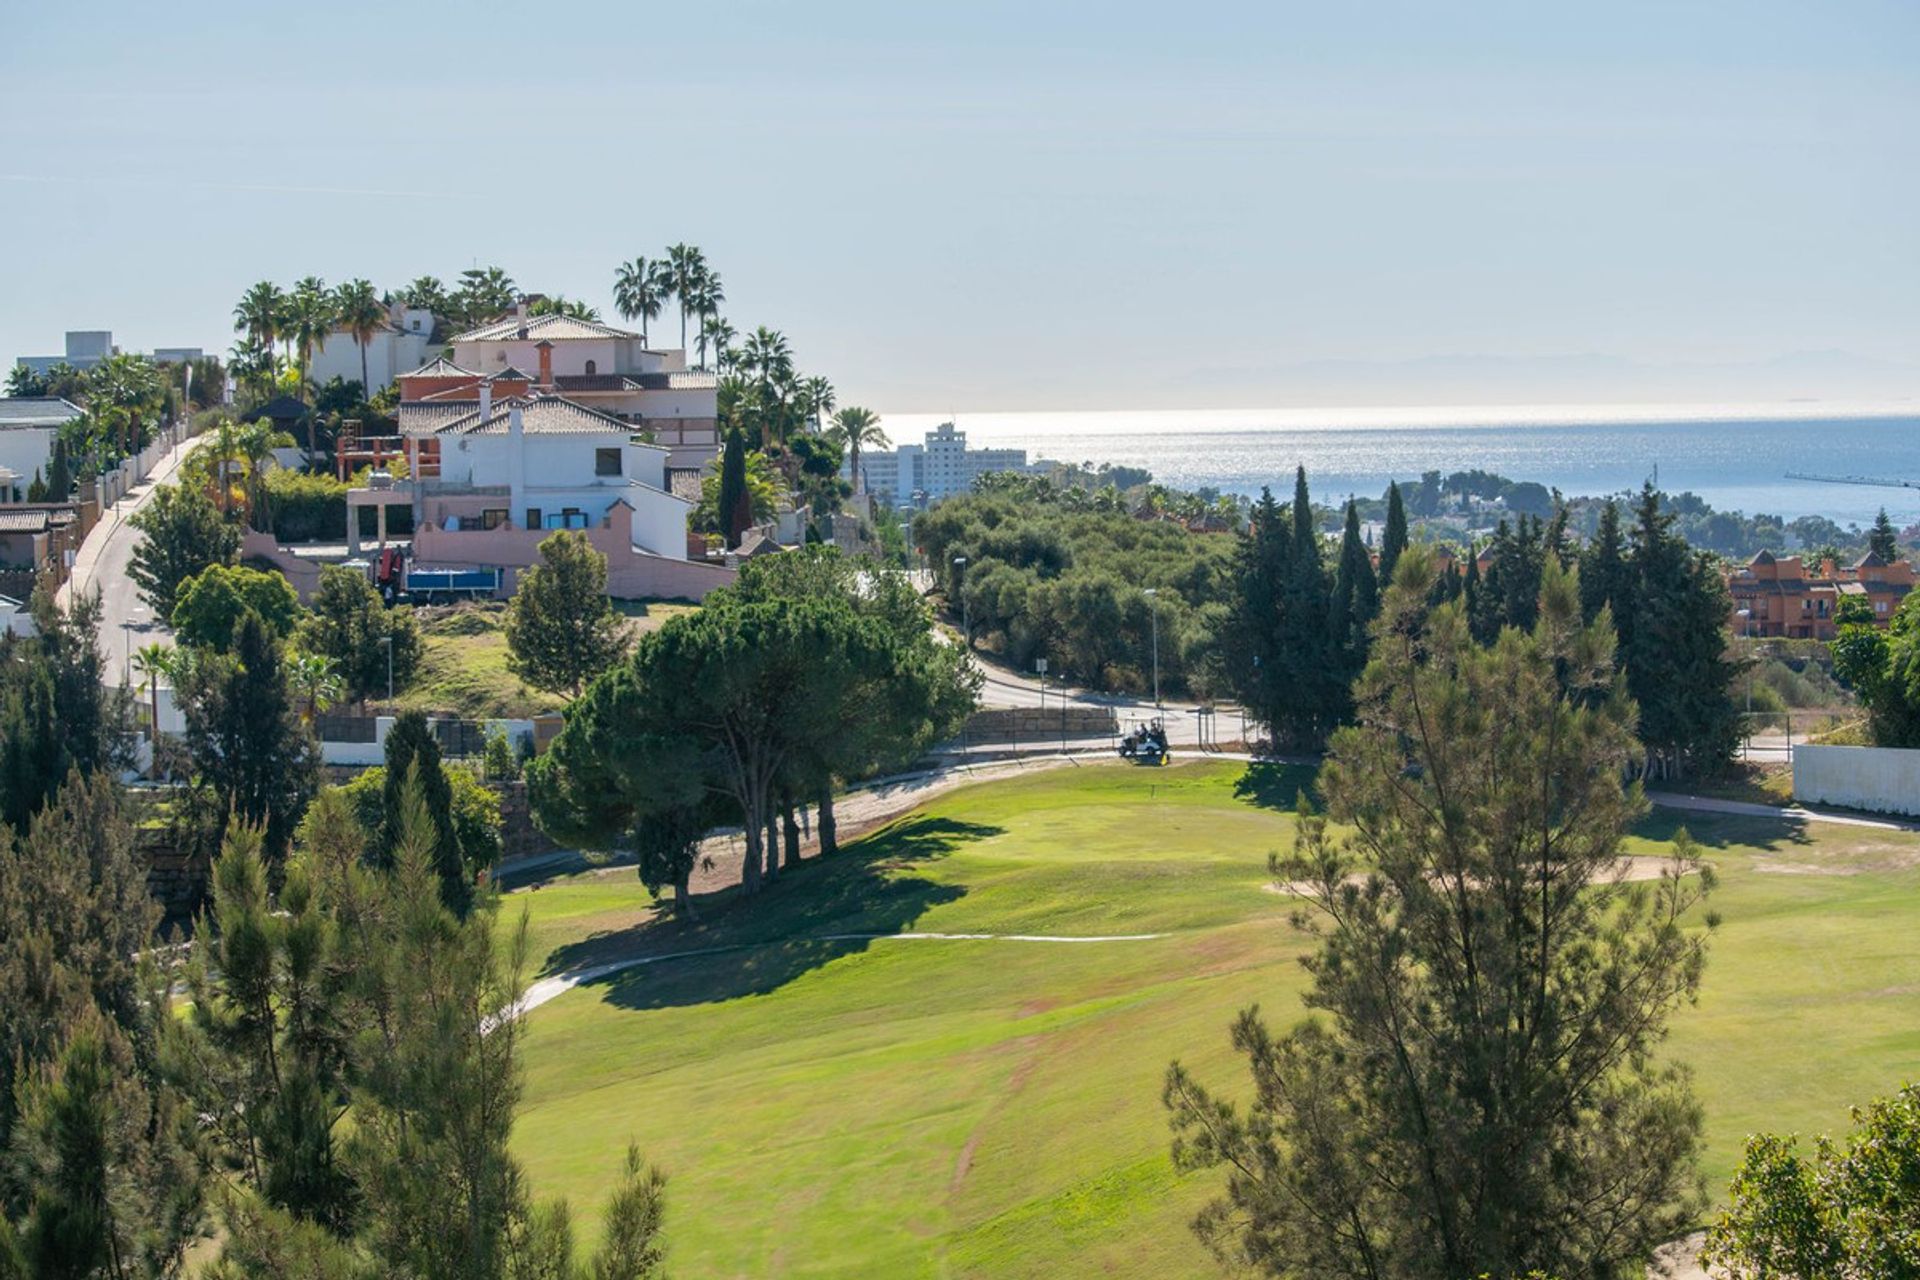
column 386, row 642
column 1153, row 596
column 966, row 610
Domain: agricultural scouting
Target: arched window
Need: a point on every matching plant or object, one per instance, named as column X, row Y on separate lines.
column 590, row 368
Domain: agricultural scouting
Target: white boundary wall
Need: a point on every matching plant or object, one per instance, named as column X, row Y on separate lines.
column 1880, row 779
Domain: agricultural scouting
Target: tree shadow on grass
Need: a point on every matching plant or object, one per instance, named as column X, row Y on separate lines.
column 1275, row 786
column 1723, row 830
column 813, row 914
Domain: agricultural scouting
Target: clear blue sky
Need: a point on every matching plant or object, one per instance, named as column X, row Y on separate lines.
column 1013, row 205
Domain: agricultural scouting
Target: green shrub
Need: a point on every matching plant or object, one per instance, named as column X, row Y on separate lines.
column 476, row 811
column 306, row 506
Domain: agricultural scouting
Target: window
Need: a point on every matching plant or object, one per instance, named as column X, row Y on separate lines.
column 606, row 462
column 592, row 368
column 493, row 517
column 572, row 518
column 533, row 518
column 1879, row 606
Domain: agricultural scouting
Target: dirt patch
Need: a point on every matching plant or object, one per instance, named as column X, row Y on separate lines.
column 1034, row 1007
column 1625, row 871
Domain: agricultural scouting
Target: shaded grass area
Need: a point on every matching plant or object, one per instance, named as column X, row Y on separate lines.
column 991, row 1108
column 464, row 667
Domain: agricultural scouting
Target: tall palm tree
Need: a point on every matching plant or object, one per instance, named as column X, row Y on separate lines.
column 639, row 291
column 685, row 265
column 817, row 393
column 720, row 334
column 855, row 429
column 259, row 313
column 708, row 294
column 153, row 661
column 313, row 316
column 357, row 309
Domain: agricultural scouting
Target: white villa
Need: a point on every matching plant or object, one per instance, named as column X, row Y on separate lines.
column 487, row 481
column 399, row 345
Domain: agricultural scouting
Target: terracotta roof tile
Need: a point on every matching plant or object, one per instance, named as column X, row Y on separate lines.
column 550, row 328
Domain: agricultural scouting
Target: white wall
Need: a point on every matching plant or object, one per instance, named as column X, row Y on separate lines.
column 1880, row 779
column 389, row 355
column 25, row 450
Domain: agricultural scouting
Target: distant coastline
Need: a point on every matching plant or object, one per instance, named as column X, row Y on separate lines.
column 1735, row 455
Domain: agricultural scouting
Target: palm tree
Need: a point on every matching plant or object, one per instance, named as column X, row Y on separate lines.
column 153, row 661
column 720, row 334
column 708, row 294
column 560, row 305
column 357, row 309
column 685, row 266
column 314, row 680
column 856, row 428
column 817, row 393
column 312, row 320
column 639, row 291
column 259, row 313
column 426, row 293
column 254, row 442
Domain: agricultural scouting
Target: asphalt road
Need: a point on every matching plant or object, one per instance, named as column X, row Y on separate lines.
column 126, row 621
column 1003, row 688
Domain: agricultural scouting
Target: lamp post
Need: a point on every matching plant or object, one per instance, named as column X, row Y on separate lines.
column 966, row 610
column 1153, row 596
column 386, row 642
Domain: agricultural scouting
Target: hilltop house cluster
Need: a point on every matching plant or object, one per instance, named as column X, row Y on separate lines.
column 537, row 423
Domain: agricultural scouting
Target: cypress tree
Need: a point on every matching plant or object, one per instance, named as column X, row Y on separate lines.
column 1603, row 571
column 1356, row 599
column 736, row 504
column 1308, row 656
column 413, row 758
column 1394, row 540
column 1250, row 641
column 59, row 472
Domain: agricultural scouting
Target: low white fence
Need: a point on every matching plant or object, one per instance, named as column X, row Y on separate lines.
column 354, row 750
column 1879, row 779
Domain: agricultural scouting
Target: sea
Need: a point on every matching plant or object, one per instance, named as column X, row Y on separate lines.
column 1738, row 457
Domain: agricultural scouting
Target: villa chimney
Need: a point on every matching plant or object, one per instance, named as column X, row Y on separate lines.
column 486, row 400
column 545, row 349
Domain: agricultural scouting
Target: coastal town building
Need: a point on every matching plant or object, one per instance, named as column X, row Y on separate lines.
column 397, row 346
column 939, row 467
column 86, row 348
column 609, row 370
column 1783, row 596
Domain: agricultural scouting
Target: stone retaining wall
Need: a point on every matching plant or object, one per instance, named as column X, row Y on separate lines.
column 1012, row 724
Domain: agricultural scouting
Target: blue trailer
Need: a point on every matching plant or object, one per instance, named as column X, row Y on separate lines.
column 443, row 586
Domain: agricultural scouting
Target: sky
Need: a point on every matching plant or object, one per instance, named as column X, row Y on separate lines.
column 1000, row 206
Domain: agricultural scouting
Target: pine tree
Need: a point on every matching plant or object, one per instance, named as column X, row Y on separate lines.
column 1676, row 654
column 1394, row 540
column 561, row 629
column 1482, row 1089
column 1881, row 539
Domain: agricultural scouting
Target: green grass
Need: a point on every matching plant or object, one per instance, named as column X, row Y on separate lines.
column 991, row 1108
